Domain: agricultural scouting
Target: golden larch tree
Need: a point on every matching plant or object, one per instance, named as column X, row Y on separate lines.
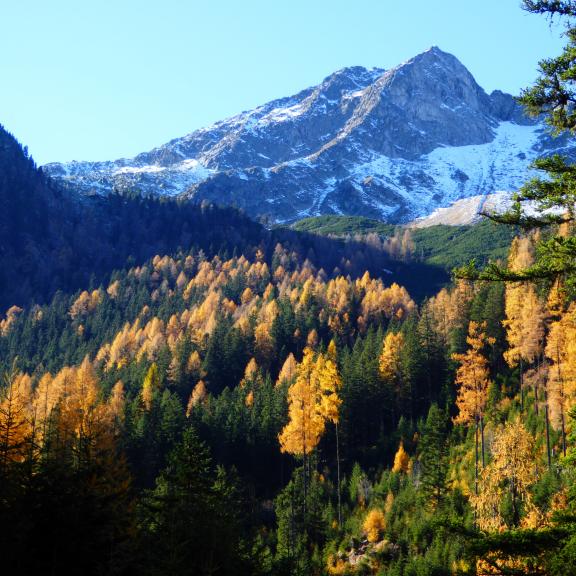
column 390, row 366
column 16, row 423
column 312, row 401
column 150, row 386
column 117, row 405
column 511, row 473
column 374, row 525
column 312, row 339
column 288, row 371
column 332, row 351
column 263, row 343
column 307, row 422
column 472, row 378
column 87, row 424
column 390, row 363
column 252, row 374
column 46, row 396
column 561, row 350
column 524, row 322
column 194, row 365
column 11, row 317
column 401, row 460
column 197, row 395
column 330, row 384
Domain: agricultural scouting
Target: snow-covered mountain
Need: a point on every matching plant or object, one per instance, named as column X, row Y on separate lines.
column 394, row 145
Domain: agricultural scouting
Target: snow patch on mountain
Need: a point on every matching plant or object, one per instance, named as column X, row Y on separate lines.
column 449, row 173
column 473, row 209
column 138, row 170
column 466, row 211
column 124, row 175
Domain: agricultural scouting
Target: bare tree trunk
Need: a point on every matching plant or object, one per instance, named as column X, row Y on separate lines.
column 304, row 460
column 563, row 432
column 561, row 384
column 547, row 420
column 305, row 483
column 292, row 527
column 482, row 439
column 338, row 477
column 536, row 386
column 476, row 460
column 521, row 385
column 515, row 511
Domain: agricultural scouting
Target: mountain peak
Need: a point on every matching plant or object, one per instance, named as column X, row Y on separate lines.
column 393, row 145
column 435, row 83
column 438, row 51
column 435, row 55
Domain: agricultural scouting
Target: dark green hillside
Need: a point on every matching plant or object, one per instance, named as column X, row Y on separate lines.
column 451, row 246
column 53, row 239
column 343, row 225
column 445, row 246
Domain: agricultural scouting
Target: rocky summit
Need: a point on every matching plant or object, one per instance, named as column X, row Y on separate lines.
column 389, row 144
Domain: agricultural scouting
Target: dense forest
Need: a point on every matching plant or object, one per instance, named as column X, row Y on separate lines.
column 185, row 391
column 208, row 415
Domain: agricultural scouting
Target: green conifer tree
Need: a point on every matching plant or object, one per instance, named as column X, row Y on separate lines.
column 434, row 457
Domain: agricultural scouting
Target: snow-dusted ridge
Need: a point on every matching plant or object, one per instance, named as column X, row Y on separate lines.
column 466, row 210
column 474, row 208
column 394, row 145
column 457, row 172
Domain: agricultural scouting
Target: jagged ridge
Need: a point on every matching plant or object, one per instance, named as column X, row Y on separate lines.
column 393, row 144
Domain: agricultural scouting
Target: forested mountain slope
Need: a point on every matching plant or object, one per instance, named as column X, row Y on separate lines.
column 53, row 239
column 315, row 423
column 328, row 393
column 440, row 245
column 197, row 394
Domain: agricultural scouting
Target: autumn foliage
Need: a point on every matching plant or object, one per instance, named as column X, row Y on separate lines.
column 312, row 401
column 374, row 524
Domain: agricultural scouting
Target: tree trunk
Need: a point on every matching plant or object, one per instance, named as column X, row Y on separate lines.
column 476, row 461
column 521, row 385
column 338, row 477
column 547, row 420
column 563, row 432
column 482, row 439
column 304, row 482
column 536, row 382
column 515, row 510
column 292, row 527
column 304, row 424
column 561, row 384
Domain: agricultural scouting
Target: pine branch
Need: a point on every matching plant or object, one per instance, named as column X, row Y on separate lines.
column 551, row 7
column 557, row 257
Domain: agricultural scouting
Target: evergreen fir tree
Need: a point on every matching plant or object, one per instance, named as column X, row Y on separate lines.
column 433, row 448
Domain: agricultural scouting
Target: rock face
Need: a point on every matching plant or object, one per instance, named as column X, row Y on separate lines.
column 393, row 145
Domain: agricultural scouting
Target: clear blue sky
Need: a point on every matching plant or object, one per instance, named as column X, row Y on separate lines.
column 97, row 80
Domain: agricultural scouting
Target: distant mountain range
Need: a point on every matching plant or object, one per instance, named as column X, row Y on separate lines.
column 393, row 145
